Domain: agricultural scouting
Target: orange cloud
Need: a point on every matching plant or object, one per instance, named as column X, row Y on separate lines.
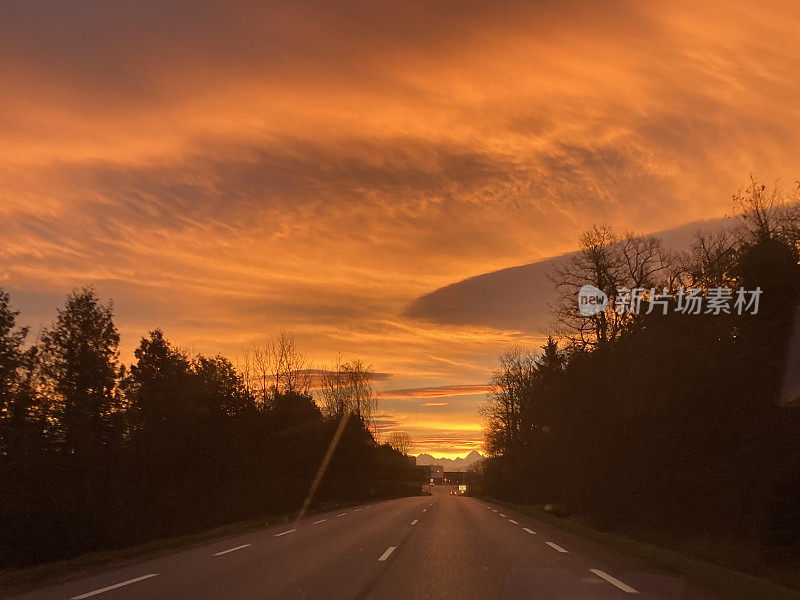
column 230, row 170
column 438, row 392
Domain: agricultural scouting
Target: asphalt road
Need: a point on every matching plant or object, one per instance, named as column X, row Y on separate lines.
column 437, row 547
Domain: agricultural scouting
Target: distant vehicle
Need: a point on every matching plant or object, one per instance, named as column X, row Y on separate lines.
column 431, row 484
column 453, row 493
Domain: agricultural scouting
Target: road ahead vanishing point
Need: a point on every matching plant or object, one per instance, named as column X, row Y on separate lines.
column 427, row 547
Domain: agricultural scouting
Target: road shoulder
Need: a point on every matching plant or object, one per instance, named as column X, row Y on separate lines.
column 715, row 579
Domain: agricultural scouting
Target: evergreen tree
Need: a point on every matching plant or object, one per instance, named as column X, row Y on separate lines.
column 11, row 360
column 79, row 355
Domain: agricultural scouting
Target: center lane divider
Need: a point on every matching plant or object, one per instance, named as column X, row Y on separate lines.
column 557, row 548
column 388, row 553
column 229, row 550
column 285, row 532
column 113, row 587
column 614, row 581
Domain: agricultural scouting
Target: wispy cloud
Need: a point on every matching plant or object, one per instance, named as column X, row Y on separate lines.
column 437, row 391
column 228, row 169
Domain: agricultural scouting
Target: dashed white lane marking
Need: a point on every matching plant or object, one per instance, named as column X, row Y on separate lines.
column 356, row 509
column 341, row 515
column 513, row 521
column 529, row 531
column 556, row 547
column 285, row 532
column 614, row 581
column 502, row 515
column 415, row 521
column 232, row 549
column 386, row 554
column 318, row 522
column 424, row 509
column 494, row 510
column 113, row 587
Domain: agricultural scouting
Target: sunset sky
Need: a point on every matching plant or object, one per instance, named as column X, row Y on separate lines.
column 224, row 170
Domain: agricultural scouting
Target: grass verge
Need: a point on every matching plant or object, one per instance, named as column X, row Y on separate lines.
column 718, row 580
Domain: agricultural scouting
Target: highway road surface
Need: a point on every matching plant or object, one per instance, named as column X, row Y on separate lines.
column 426, row 547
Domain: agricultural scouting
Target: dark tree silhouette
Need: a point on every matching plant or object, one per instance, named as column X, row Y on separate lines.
column 79, row 356
column 643, row 413
column 12, row 359
column 97, row 455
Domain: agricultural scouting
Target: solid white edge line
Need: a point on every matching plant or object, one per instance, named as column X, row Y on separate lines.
column 232, row 549
column 529, row 531
column 285, row 532
column 513, row 521
column 415, row 521
column 502, row 515
column 386, row 554
column 113, row 587
column 318, row 522
column 341, row 515
column 614, row 581
column 557, row 547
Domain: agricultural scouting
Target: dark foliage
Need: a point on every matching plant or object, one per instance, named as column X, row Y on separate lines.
column 675, row 424
column 94, row 455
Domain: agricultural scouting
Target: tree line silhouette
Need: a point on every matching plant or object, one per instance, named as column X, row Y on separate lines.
column 671, row 422
column 95, row 454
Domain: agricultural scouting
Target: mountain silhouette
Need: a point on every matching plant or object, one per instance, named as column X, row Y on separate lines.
column 450, row 464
